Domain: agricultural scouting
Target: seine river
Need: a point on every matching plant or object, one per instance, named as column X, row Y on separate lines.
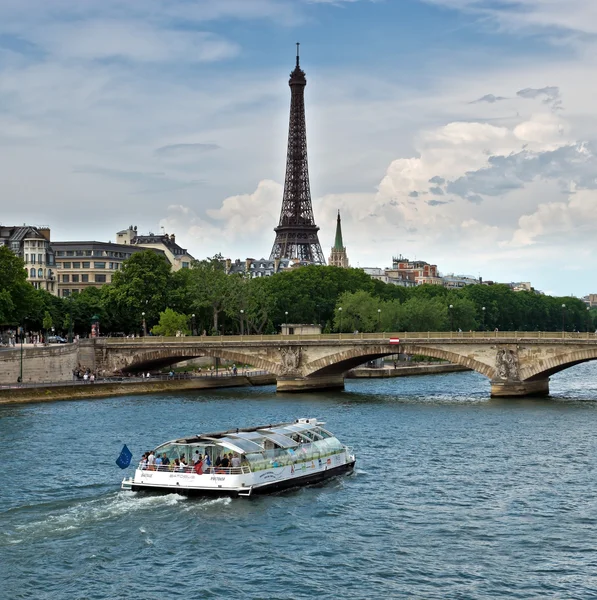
column 455, row 496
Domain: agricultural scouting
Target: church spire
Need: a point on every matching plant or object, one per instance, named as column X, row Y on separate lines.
column 338, row 257
column 338, row 245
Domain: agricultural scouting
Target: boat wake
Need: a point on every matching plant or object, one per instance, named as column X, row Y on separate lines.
column 74, row 517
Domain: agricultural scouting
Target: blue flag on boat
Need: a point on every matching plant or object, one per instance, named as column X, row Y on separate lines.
column 124, row 460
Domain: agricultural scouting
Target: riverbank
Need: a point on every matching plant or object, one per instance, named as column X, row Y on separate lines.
column 102, row 390
column 404, row 371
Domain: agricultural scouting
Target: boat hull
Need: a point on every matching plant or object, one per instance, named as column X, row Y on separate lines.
column 264, row 488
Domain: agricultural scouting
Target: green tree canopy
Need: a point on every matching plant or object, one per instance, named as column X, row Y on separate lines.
column 141, row 286
column 16, row 294
column 171, row 323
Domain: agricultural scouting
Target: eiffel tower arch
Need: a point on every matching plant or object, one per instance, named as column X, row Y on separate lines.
column 296, row 233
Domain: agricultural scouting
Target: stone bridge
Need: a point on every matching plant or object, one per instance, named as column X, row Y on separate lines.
column 516, row 363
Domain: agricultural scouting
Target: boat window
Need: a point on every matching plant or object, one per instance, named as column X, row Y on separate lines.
column 173, row 451
column 323, row 433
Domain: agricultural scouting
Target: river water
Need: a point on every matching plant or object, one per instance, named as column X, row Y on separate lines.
column 454, row 496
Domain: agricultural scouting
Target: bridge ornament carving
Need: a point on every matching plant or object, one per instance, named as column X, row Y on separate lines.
column 291, row 359
column 506, row 364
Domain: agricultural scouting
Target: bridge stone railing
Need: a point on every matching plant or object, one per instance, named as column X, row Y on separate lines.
column 419, row 336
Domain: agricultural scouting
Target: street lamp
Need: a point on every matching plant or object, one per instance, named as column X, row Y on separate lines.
column 340, row 311
column 20, row 379
column 451, row 317
column 242, row 326
column 144, row 325
column 286, row 313
column 70, row 319
column 483, row 314
column 193, row 329
column 379, row 318
column 563, row 317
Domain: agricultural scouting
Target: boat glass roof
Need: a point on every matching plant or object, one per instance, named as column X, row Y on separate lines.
column 239, row 445
column 296, row 428
column 247, row 435
column 282, row 440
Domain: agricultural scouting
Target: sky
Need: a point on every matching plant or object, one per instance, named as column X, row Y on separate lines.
column 459, row 132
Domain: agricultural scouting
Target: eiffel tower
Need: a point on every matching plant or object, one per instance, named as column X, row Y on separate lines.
column 296, row 234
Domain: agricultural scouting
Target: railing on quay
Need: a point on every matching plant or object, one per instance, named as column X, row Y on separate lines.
column 100, row 380
column 373, row 336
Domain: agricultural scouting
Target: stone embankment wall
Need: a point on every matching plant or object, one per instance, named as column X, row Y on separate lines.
column 41, row 364
column 103, row 390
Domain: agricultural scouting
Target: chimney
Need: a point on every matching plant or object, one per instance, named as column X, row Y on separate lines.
column 172, row 237
column 45, row 231
column 228, row 265
column 248, row 263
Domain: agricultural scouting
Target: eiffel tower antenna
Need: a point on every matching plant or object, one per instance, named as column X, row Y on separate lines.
column 296, row 233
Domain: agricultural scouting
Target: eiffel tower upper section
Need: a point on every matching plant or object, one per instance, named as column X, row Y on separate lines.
column 296, row 234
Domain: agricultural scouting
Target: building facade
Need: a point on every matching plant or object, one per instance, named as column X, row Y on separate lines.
column 338, row 256
column 80, row 265
column 263, row 267
column 418, row 270
column 177, row 256
column 455, row 282
column 32, row 244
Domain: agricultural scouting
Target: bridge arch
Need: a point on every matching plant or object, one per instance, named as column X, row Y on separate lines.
column 345, row 360
column 558, row 363
column 162, row 357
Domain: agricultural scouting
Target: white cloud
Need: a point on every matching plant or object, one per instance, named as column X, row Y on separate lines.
column 129, row 40
column 568, row 16
column 577, row 216
column 241, row 225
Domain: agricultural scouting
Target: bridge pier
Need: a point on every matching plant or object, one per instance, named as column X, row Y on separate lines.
column 309, row 384
column 501, row 388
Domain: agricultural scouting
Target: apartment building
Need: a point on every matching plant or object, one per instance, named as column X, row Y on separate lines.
column 32, row 244
column 177, row 256
column 89, row 264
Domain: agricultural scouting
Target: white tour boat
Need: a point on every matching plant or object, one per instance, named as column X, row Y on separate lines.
column 241, row 462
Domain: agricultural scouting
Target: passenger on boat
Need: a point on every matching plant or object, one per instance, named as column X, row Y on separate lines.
column 143, row 462
column 235, row 462
column 197, row 457
column 158, row 462
column 183, row 460
column 225, row 462
column 218, row 461
column 165, row 459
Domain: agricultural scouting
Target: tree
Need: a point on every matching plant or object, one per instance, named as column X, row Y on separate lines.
column 90, row 302
column 16, row 294
column 171, row 323
column 359, row 312
column 424, row 314
column 212, row 287
column 141, row 286
column 47, row 322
